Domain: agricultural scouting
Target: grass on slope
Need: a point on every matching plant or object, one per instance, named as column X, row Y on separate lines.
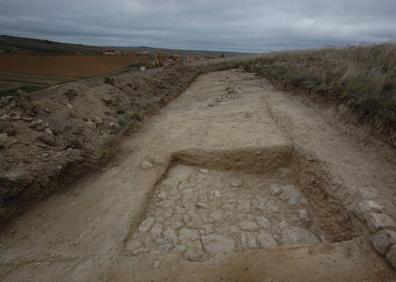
column 363, row 77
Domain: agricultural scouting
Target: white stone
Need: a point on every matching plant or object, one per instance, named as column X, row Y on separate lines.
column 218, row 244
column 156, row 230
column 382, row 240
column 133, row 245
column 217, row 215
column 157, row 264
column 247, row 225
column 297, row 235
column 377, row 221
column 162, row 195
column 146, row 224
column 193, row 255
column 391, row 256
column 292, row 195
column 284, row 172
column 140, row 251
column 236, row 183
column 165, row 248
column 275, row 190
column 263, row 222
column 201, row 205
column 248, row 240
column 186, row 236
column 266, row 240
column 146, row 165
column 370, row 206
column 303, row 215
column 170, row 236
column 179, row 249
column 244, row 205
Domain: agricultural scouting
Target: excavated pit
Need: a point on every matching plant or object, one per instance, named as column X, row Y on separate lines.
column 211, row 203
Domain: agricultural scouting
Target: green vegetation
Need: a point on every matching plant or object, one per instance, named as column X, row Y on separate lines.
column 364, row 77
column 26, row 88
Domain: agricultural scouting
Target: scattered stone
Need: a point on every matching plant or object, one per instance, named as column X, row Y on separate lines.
column 266, row 240
column 114, row 125
column 236, row 183
column 263, row 222
column 37, row 124
column 48, row 131
column 244, row 205
column 275, row 190
column 146, row 224
column 165, row 248
column 69, row 106
column 133, row 245
column 98, row 120
column 391, row 256
column 47, row 139
column 139, row 251
column 193, row 255
column 370, row 206
column 201, row 205
column 204, row 170
column 382, row 240
column 248, row 240
column 217, row 215
column 284, row 172
column 186, row 236
column 70, row 94
column 4, row 140
column 179, row 249
column 170, row 236
column 297, row 235
column 146, row 165
column 247, row 225
column 377, row 221
column 90, row 124
column 5, row 117
column 291, row 194
column 162, row 195
column 27, row 119
column 156, row 230
column 157, row 264
column 218, row 244
column 304, row 216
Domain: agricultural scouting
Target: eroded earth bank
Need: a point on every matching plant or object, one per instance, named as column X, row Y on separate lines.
column 232, row 181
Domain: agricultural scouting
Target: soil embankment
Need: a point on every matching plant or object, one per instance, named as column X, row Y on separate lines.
column 233, row 180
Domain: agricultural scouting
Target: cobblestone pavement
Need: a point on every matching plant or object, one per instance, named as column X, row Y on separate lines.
column 199, row 213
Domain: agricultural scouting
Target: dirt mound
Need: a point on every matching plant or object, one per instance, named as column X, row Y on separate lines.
column 48, row 138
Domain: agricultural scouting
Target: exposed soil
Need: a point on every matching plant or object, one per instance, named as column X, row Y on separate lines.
column 52, row 136
column 232, row 181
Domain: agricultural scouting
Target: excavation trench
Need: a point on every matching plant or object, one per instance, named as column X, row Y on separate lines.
column 221, row 202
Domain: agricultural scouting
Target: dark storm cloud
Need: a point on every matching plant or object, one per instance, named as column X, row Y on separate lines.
column 249, row 25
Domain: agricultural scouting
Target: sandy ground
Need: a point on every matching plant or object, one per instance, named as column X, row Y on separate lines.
column 229, row 160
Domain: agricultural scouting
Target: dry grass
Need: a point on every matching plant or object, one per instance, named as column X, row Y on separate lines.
column 364, row 77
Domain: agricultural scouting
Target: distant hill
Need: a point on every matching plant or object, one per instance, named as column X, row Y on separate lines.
column 40, row 46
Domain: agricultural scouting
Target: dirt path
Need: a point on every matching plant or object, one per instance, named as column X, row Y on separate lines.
column 233, row 181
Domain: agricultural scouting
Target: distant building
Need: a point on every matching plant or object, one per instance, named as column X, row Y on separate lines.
column 112, row 52
column 144, row 53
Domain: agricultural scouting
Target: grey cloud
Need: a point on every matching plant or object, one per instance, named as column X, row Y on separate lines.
column 249, row 25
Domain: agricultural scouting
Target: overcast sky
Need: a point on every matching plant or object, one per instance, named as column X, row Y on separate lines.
column 240, row 25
